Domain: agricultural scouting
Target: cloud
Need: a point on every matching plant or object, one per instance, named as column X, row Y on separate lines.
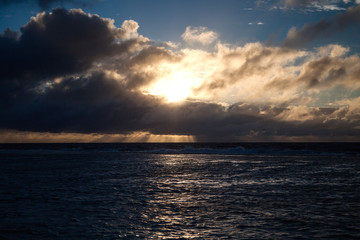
column 11, row 136
column 251, row 66
column 43, row 4
column 322, row 73
column 313, row 5
column 61, row 42
column 199, row 35
column 324, row 28
column 72, row 75
column 301, row 3
column 130, row 28
column 100, row 104
column 86, row 104
column 256, row 23
column 274, row 75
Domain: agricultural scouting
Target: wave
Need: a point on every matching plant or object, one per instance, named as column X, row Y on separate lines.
column 276, row 149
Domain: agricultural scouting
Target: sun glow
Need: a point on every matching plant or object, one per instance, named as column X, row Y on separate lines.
column 176, row 87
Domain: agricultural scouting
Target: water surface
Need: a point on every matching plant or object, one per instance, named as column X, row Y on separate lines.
column 179, row 191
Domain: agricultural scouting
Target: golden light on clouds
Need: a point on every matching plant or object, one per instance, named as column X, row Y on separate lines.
column 11, row 136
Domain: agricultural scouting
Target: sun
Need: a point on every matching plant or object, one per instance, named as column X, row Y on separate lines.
column 176, row 87
column 176, row 91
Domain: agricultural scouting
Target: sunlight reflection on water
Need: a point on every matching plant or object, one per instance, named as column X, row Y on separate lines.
column 178, row 196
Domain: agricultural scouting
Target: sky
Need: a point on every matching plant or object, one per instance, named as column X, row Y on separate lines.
column 179, row 71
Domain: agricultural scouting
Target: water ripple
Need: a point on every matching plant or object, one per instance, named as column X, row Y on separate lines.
column 117, row 195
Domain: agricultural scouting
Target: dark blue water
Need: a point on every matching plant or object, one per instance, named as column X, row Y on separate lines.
column 180, row 191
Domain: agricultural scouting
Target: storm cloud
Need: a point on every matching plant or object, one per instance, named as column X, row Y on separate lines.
column 58, row 43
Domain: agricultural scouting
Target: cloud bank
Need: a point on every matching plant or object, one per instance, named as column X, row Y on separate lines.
column 68, row 72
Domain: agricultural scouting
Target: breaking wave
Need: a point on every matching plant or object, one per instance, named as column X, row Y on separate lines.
column 286, row 149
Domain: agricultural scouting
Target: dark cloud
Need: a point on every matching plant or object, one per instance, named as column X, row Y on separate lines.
column 324, row 28
column 43, row 4
column 59, row 43
column 52, row 45
column 99, row 103
column 94, row 103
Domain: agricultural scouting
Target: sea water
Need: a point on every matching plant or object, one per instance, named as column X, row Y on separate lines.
column 180, row 191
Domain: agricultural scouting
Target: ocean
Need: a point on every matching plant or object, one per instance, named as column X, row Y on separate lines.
column 180, row 191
